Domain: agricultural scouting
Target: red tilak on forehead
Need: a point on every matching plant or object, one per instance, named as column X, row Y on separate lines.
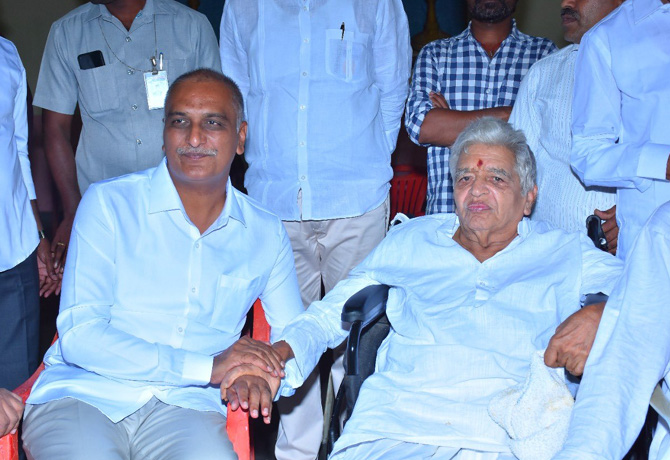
column 479, row 163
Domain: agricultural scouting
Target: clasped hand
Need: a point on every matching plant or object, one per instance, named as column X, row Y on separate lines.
column 249, row 373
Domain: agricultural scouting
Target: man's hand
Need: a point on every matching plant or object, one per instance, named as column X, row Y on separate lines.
column 11, row 410
column 572, row 342
column 610, row 228
column 60, row 242
column 50, row 280
column 252, row 391
column 247, row 351
column 438, row 100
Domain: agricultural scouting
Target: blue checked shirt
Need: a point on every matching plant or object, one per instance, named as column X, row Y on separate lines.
column 460, row 69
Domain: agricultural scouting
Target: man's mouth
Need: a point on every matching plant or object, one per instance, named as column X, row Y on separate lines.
column 569, row 15
column 478, row 207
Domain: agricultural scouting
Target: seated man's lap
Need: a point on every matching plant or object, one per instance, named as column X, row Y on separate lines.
column 73, row 430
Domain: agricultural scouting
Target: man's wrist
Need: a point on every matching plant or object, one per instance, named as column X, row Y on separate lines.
column 284, row 350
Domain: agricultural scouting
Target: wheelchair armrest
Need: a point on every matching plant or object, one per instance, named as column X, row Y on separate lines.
column 366, row 305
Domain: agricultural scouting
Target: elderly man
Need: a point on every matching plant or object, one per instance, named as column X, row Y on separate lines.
column 474, row 295
column 456, row 80
column 543, row 111
column 163, row 267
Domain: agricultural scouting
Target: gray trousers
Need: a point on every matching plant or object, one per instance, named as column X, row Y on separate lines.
column 68, row 429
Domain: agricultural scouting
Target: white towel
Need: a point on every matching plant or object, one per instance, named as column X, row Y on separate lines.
column 535, row 413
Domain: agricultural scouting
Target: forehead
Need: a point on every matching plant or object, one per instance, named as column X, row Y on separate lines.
column 207, row 95
column 487, row 155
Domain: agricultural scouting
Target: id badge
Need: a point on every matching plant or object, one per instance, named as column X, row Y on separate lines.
column 157, row 87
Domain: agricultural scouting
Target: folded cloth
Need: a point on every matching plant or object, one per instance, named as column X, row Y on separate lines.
column 535, row 413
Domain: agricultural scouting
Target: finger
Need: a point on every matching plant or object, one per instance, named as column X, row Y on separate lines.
column 233, row 399
column 266, row 404
column 242, row 391
column 551, row 354
column 238, row 371
column 59, row 255
column 254, row 399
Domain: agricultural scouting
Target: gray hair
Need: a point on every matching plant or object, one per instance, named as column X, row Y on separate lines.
column 494, row 131
column 212, row 75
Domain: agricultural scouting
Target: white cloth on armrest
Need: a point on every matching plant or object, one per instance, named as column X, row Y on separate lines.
column 535, row 413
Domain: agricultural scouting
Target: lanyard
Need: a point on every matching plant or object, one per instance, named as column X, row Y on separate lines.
column 153, row 58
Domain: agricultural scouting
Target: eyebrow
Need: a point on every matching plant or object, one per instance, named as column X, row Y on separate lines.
column 222, row 116
column 460, row 171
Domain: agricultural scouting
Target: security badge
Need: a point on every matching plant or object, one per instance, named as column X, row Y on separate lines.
column 156, row 84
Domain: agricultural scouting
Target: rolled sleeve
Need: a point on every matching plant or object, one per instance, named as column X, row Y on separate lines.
column 424, row 81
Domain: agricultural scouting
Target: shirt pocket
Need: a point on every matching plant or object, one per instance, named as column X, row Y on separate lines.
column 234, row 297
column 99, row 91
column 346, row 55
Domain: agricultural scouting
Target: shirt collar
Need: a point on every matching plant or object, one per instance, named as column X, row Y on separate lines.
column 163, row 196
column 448, row 229
column 644, row 8
column 146, row 14
column 514, row 33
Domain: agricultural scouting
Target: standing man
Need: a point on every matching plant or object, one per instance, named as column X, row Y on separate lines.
column 543, row 110
column 115, row 59
column 459, row 79
column 325, row 83
column 24, row 251
column 620, row 131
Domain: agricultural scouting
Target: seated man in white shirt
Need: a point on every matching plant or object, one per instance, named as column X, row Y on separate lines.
column 474, row 295
column 162, row 269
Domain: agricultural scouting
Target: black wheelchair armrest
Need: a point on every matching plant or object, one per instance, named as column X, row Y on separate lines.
column 366, row 305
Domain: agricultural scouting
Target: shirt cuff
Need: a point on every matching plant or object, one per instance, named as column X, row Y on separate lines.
column 197, row 369
column 654, row 161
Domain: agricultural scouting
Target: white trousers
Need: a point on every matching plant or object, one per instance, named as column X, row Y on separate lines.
column 324, row 251
column 68, row 429
column 388, row 449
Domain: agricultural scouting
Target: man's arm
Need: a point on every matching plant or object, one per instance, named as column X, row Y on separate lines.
column 428, row 125
column 599, row 155
column 392, row 56
column 60, row 156
column 234, row 61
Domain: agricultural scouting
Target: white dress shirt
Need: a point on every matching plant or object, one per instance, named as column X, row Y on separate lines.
column 17, row 222
column 148, row 301
column 462, row 330
column 621, row 110
column 543, row 110
column 324, row 83
column 630, row 355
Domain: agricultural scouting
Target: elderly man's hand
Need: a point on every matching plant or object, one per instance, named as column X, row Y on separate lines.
column 251, row 389
column 572, row 342
column 247, row 351
column 11, row 410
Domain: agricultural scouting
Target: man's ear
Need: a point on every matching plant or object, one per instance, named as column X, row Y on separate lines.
column 242, row 137
column 531, row 196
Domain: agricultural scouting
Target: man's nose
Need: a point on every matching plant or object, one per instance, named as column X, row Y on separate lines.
column 478, row 187
column 195, row 136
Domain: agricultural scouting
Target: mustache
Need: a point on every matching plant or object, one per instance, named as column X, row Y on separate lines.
column 569, row 12
column 196, row 151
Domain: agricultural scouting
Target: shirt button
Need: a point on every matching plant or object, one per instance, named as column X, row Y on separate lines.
column 130, row 71
column 197, row 245
column 303, row 177
column 180, row 329
column 302, row 143
column 139, row 141
column 192, row 289
column 303, row 107
column 304, row 74
column 306, row 40
column 305, row 8
column 134, row 106
column 488, row 91
column 128, row 39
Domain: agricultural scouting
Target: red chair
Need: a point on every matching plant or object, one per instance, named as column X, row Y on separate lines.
column 237, row 423
column 408, row 191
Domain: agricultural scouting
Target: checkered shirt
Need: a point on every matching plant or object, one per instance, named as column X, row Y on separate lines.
column 460, row 69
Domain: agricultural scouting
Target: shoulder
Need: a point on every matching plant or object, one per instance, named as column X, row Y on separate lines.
column 616, row 22
column 9, row 56
column 130, row 187
column 181, row 12
column 75, row 18
column 532, row 43
column 423, row 227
